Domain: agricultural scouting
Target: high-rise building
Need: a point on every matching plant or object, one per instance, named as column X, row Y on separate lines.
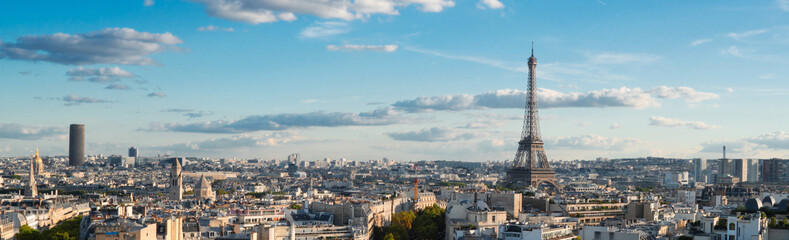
column 753, row 170
column 740, row 169
column 133, row 152
column 775, row 170
column 76, row 147
column 530, row 166
column 176, row 190
column 699, row 165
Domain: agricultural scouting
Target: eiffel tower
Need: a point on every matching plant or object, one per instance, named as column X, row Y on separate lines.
column 530, row 166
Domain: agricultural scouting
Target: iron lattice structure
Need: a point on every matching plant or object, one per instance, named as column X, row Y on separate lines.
column 530, row 166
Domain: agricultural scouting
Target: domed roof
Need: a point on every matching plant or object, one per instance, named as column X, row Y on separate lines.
column 36, row 158
column 783, row 204
column 753, row 204
column 768, row 201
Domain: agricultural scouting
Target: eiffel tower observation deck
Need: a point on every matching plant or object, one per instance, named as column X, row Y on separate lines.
column 530, row 166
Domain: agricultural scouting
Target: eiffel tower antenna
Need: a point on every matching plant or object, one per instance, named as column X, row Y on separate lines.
column 530, row 166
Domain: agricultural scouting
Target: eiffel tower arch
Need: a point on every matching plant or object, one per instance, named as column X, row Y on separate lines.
column 530, row 166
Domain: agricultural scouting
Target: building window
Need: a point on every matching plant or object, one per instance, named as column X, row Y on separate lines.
column 731, row 226
column 494, row 218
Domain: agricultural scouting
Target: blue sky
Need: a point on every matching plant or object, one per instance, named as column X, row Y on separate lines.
column 406, row 80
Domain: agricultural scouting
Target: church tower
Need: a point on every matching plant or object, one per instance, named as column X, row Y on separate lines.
column 32, row 190
column 203, row 189
column 176, row 181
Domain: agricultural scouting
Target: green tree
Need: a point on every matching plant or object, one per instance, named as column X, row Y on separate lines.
column 389, row 237
column 295, row 206
column 773, row 222
column 403, row 219
column 28, row 233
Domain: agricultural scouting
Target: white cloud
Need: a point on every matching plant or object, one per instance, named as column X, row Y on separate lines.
column 615, row 126
column 351, row 47
column 730, row 90
column 742, row 35
column 74, row 99
column 264, row 11
column 743, row 147
column 148, row 3
column 775, row 140
column 99, row 75
column 783, row 4
column 107, row 46
column 700, row 41
column 211, row 28
column 234, row 142
column 510, row 98
column 492, row 4
column 671, row 122
column 591, row 142
column 689, row 94
column 383, row 116
column 435, row 134
column 28, row 132
column 325, row 29
column 623, row 58
column 750, row 147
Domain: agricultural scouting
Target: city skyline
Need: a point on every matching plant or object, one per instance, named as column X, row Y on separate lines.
column 437, row 80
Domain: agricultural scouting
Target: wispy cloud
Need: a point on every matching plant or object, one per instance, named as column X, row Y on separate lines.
column 29, row 132
column 157, row 94
column 116, row 86
column 191, row 113
column 435, row 134
column 592, row 142
column 672, row 122
column 211, row 28
column 741, row 35
column 623, row 58
column 700, row 41
column 351, row 47
column 383, row 116
column 148, row 3
column 783, row 4
column 74, row 99
column 325, row 29
column 489, row 4
column 511, row 66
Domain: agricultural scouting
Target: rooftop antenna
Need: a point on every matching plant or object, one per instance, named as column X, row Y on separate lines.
column 532, row 48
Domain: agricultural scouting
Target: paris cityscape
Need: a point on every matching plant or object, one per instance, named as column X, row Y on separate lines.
column 394, row 120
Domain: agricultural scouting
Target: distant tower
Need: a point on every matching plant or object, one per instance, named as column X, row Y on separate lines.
column 724, row 152
column 530, row 166
column 76, row 147
column 32, row 190
column 176, row 181
column 203, row 189
column 133, row 152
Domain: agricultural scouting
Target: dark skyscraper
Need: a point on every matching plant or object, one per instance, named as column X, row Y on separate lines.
column 76, row 147
column 133, row 152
